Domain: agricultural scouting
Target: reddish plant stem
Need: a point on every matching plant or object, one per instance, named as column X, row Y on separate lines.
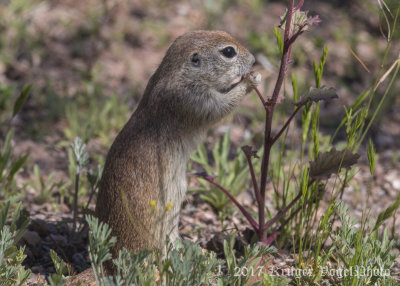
column 253, row 178
column 273, row 236
column 261, row 97
column 260, row 202
column 298, row 6
column 294, row 38
column 286, row 124
column 283, row 211
column 268, row 123
column 241, row 208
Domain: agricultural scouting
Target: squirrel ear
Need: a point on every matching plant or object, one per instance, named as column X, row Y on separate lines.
column 195, row 59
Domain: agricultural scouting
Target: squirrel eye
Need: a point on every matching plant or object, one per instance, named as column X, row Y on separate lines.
column 195, row 59
column 228, row 52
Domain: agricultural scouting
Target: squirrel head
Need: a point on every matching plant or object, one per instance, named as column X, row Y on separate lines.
column 201, row 78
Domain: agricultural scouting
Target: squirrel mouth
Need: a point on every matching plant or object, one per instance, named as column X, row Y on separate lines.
column 234, row 83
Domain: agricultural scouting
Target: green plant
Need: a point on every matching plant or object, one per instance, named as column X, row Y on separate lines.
column 61, row 268
column 45, row 187
column 81, row 159
column 13, row 220
column 13, row 223
column 94, row 115
column 240, row 271
column 16, row 39
column 301, row 201
column 9, row 167
column 78, row 161
column 231, row 173
column 294, row 24
column 6, row 102
column 174, row 266
column 179, row 263
column 362, row 251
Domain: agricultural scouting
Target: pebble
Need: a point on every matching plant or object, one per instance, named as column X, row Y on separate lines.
column 31, row 237
column 59, row 239
column 37, row 269
column 42, row 227
column 396, row 185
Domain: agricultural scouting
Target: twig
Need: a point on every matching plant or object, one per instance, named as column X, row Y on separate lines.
column 248, row 155
column 268, row 120
column 241, row 208
column 282, row 212
column 298, row 6
column 260, row 201
column 261, row 97
column 286, row 124
column 76, row 200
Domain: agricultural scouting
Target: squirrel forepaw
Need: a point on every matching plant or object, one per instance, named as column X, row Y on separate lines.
column 253, row 79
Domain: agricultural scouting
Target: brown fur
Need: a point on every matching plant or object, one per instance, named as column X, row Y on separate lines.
column 144, row 180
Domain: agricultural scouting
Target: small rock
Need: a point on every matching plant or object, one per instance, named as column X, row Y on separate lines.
column 37, row 269
column 31, row 237
column 396, row 185
column 42, row 227
column 207, row 217
column 246, row 198
column 59, row 239
column 35, row 279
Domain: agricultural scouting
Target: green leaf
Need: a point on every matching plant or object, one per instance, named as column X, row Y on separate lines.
column 3, row 214
column 226, row 146
column 59, row 265
column 387, row 213
column 9, row 251
column 306, row 119
column 371, row 157
column 328, row 163
column 295, row 88
column 17, row 165
column 6, row 153
column 315, row 131
column 279, row 39
column 317, row 94
column 81, row 155
column 21, row 99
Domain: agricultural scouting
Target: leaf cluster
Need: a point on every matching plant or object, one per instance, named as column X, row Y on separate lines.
column 13, row 223
column 231, row 173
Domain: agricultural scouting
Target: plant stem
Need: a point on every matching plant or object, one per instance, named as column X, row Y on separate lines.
column 241, row 208
column 76, row 200
column 268, row 121
column 273, row 236
column 93, row 191
column 298, row 6
column 282, row 212
column 261, row 97
column 286, row 124
column 253, row 178
column 257, row 193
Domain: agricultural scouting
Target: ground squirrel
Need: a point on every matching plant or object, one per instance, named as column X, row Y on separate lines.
column 202, row 77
